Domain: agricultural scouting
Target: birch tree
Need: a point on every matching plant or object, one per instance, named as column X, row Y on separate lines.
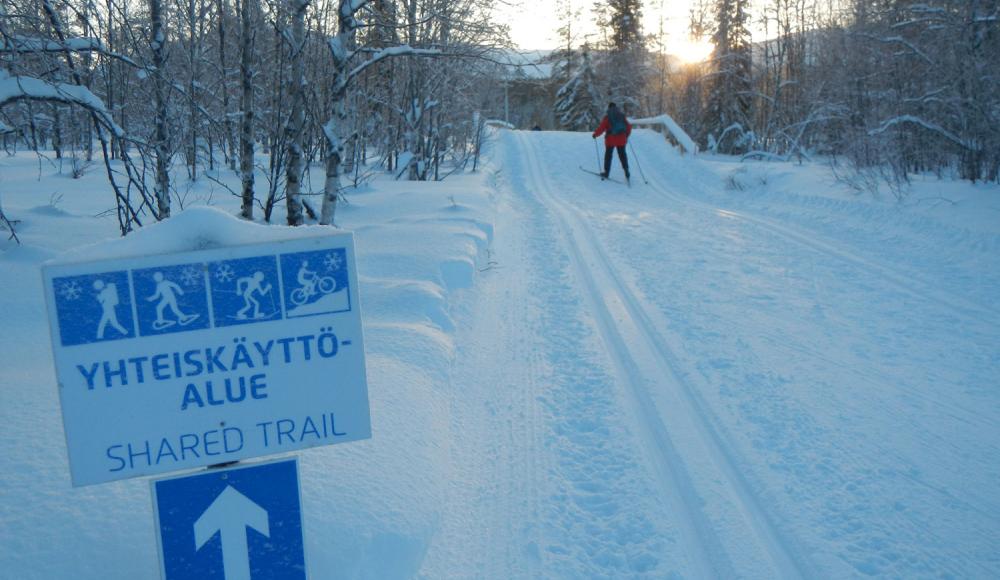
column 348, row 63
column 161, row 139
column 248, row 33
column 295, row 126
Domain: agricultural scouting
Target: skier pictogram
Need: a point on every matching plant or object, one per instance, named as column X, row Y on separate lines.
column 247, row 287
column 244, row 291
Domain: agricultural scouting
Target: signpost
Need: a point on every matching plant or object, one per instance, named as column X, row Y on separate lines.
column 184, row 360
column 178, row 361
column 238, row 523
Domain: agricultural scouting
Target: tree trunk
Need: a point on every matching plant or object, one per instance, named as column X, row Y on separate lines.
column 247, row 110
column 228, row 143
column 296, row 122
column 161, row 143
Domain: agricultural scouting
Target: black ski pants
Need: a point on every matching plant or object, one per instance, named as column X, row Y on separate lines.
column 622, row 156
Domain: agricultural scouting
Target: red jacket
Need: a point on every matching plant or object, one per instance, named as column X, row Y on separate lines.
column 613, row 140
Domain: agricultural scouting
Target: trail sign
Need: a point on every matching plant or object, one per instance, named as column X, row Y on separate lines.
column 181, row 360
column 241, row 523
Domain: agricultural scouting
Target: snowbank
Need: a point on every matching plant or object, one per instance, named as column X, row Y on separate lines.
column 370, row 508
column 197, row 228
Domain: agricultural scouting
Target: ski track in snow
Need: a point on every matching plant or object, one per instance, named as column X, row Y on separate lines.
column 545, row 480
column 595, row 517
column 805, row 358
column 646, row 365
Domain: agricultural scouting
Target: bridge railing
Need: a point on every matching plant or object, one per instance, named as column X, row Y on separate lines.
column 665, row 124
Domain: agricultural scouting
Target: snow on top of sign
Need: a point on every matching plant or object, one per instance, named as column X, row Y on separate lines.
column 196, row 228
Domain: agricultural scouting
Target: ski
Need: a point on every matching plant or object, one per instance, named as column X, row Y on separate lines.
column 585, row 170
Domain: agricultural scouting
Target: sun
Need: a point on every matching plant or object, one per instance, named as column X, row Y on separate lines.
column 691, row 51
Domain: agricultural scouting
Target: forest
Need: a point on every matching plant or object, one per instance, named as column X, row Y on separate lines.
column 305, row 98
column 889, row 88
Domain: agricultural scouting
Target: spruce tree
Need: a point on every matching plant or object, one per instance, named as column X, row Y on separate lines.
column 578, row 101
column 626, row 66
column 564, row 58
column 728, row 107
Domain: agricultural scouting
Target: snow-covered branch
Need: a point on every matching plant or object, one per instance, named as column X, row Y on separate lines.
column 390, row 52
column 18, row 88
column 29, row 44
column 23, row 44
column 897, row 40
column 886, row 125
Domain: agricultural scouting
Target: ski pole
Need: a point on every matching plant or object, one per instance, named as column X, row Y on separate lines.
column 637, row 164
column 597, row 154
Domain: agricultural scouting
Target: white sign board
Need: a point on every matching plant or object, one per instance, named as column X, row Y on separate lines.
column 183, row 360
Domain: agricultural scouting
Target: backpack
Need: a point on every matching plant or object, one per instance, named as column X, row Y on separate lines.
column 616, row 122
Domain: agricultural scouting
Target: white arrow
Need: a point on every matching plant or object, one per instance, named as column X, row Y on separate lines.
column 230, row 514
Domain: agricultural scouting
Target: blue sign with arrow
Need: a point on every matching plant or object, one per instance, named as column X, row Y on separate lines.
column 241, row 523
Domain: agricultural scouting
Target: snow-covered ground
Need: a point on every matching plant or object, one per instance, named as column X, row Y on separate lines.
column 735, row 370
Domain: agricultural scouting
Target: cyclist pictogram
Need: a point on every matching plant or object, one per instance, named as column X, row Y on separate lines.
column 315, row 282
column 311, row 285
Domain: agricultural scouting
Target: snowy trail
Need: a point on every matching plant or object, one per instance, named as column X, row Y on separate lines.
column 675, row 485
column 647, row 365
column 787, row 405
column 833, row 394
column 543, row 428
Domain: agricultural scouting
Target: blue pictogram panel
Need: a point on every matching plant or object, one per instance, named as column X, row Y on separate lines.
column 93, row 307
column 241, row 522
column 315, row 282
column 245, row 290
column 171, row 299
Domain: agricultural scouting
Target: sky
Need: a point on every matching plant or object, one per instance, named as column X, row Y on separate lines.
column 533, row 24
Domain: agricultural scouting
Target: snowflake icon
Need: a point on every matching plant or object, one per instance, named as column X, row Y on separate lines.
column 70, row 290
column 333, row 261
column 191, row 277
column 224, row 273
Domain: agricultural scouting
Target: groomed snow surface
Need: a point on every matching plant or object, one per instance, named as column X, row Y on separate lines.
column 735, row 370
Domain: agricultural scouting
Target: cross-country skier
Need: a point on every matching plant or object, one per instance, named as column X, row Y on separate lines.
column 618, row 130
column 247, row 287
